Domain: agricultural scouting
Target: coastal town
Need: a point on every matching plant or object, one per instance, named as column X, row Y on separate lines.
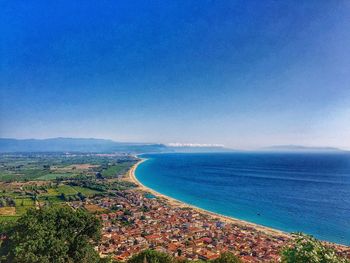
column 141, row 221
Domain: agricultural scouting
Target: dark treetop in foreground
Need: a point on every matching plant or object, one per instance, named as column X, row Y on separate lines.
column 52, row 235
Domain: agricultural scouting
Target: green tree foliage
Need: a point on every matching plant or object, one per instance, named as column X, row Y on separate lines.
column 151, row 256
column 6, row 201
column 63, row 197
column 52, row 235
column 308, row 249
column 227, row 258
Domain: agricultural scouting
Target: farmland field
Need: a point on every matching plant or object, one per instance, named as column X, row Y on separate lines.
column 67, row 190
column 20, row 210
column 24, row 202
column 116, row 170
column 52, row 176
column 5, row 219
column 50, row 192
column 7, row 211
column 85, row 191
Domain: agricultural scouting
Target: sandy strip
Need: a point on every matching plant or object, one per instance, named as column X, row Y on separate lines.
column 177, row 203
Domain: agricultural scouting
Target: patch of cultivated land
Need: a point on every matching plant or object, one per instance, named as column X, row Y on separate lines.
column 7, row 211
column 116, row 170
column 85, row 166
column 92, row 208
column 24, row 202
column 66, row 189
column 6, row 219
column 52, row 176
column 85, row 191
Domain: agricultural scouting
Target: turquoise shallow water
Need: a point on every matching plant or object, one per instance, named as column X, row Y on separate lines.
column 291, row 192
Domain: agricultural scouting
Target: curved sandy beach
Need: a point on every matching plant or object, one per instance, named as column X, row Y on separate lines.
column 174, row 202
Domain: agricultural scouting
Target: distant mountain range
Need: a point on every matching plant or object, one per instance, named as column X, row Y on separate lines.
column 95, row 145
column 299, row 148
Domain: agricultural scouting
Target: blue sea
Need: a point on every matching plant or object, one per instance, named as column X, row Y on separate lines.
column 292, row 192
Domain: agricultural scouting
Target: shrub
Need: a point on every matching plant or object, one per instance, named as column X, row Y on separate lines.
column 151, row 256
column 227, row 258
column 305, row 248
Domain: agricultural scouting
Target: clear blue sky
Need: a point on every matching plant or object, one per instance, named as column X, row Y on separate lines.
column 241, row 73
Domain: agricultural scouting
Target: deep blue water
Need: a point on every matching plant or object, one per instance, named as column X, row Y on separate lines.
column 291, row 192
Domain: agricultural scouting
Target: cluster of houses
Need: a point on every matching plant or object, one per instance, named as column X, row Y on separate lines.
column 138, row 222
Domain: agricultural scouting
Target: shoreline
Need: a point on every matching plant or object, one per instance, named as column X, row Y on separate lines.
column 175, row 202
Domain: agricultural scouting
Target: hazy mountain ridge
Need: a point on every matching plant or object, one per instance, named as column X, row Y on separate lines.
column 300, row 148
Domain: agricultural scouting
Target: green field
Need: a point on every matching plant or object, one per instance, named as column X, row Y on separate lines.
column 4, row 219
column 24, row 202
column 116, row 170
column 85, row 191
column 52, row 176
column 51, row 199
column 20, row 210
column 73, row 190
column 50, row 192
column 66, row 189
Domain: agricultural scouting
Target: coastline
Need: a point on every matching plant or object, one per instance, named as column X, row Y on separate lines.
column 131, row 176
